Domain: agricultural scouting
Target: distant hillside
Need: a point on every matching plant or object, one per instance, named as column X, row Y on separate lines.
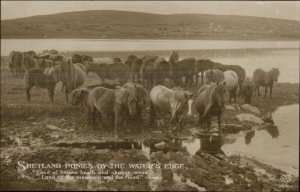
column 136, row 25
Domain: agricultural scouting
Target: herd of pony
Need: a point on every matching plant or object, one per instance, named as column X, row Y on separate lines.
column 137, row 80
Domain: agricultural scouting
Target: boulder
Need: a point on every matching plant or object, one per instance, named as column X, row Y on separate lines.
column 249, row 117
column 160, row 145
column 230, row 108
column 251, row 108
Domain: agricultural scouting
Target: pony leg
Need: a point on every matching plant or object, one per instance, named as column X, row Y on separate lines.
column 208, row 122
column 271, row 87
column 258, row 91
column 117, row 124
column 28, row 92
column 89, row 119
column 266, row 91
column 199, row 120
column 132, row 77
column 93, row 115
column 152, row 115
column 67, row 93
column 180, row 121
column 51, row 93
column 100, row 120
column 219, row 123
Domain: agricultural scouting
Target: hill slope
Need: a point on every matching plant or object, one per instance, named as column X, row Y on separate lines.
column 136, row 25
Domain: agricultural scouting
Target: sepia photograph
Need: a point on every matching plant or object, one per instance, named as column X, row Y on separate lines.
column 150, row 96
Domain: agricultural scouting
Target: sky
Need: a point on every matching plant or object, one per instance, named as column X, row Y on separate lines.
column 273, row 9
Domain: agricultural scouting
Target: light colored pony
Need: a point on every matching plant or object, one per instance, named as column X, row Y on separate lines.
column 165, row 100
column 265, row 79
column 232, row 84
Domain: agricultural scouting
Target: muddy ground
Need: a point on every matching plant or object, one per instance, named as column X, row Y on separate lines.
column 37, row 132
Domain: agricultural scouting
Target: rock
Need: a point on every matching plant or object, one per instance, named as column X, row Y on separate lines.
column 160, row 145
column 71, row 130
column 230, row 108
column 249, row 117
column 53, row 127
column 37, row 142
column 251, row 108
column 18, row 141
column 31, row 118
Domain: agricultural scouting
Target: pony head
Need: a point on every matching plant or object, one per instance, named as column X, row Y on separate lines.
column 174, row 57
column 179, row 103
column 79, row 95
column 129, row 99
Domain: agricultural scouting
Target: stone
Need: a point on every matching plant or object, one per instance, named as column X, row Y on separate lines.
column 230, row 108
column 251, row 108
column 249, row 117
column 53, row 127
column 31, row 118
column 160, row 145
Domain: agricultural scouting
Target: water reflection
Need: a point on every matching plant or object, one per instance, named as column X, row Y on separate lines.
column 273, row 131
column 211, row 144
column 249, row 136
column 269, row 128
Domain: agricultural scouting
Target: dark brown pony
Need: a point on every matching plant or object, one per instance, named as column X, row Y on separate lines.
column 134, row 63
column 77, row 58
column 73, row 76
column 113, row 71
column 201, row 66
column 205, row 64
column 44, row 78
column 154, row 70
column 30, row 62
column 183, row 68
column 210, row 102
column 15, row 63
column 265, row 79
